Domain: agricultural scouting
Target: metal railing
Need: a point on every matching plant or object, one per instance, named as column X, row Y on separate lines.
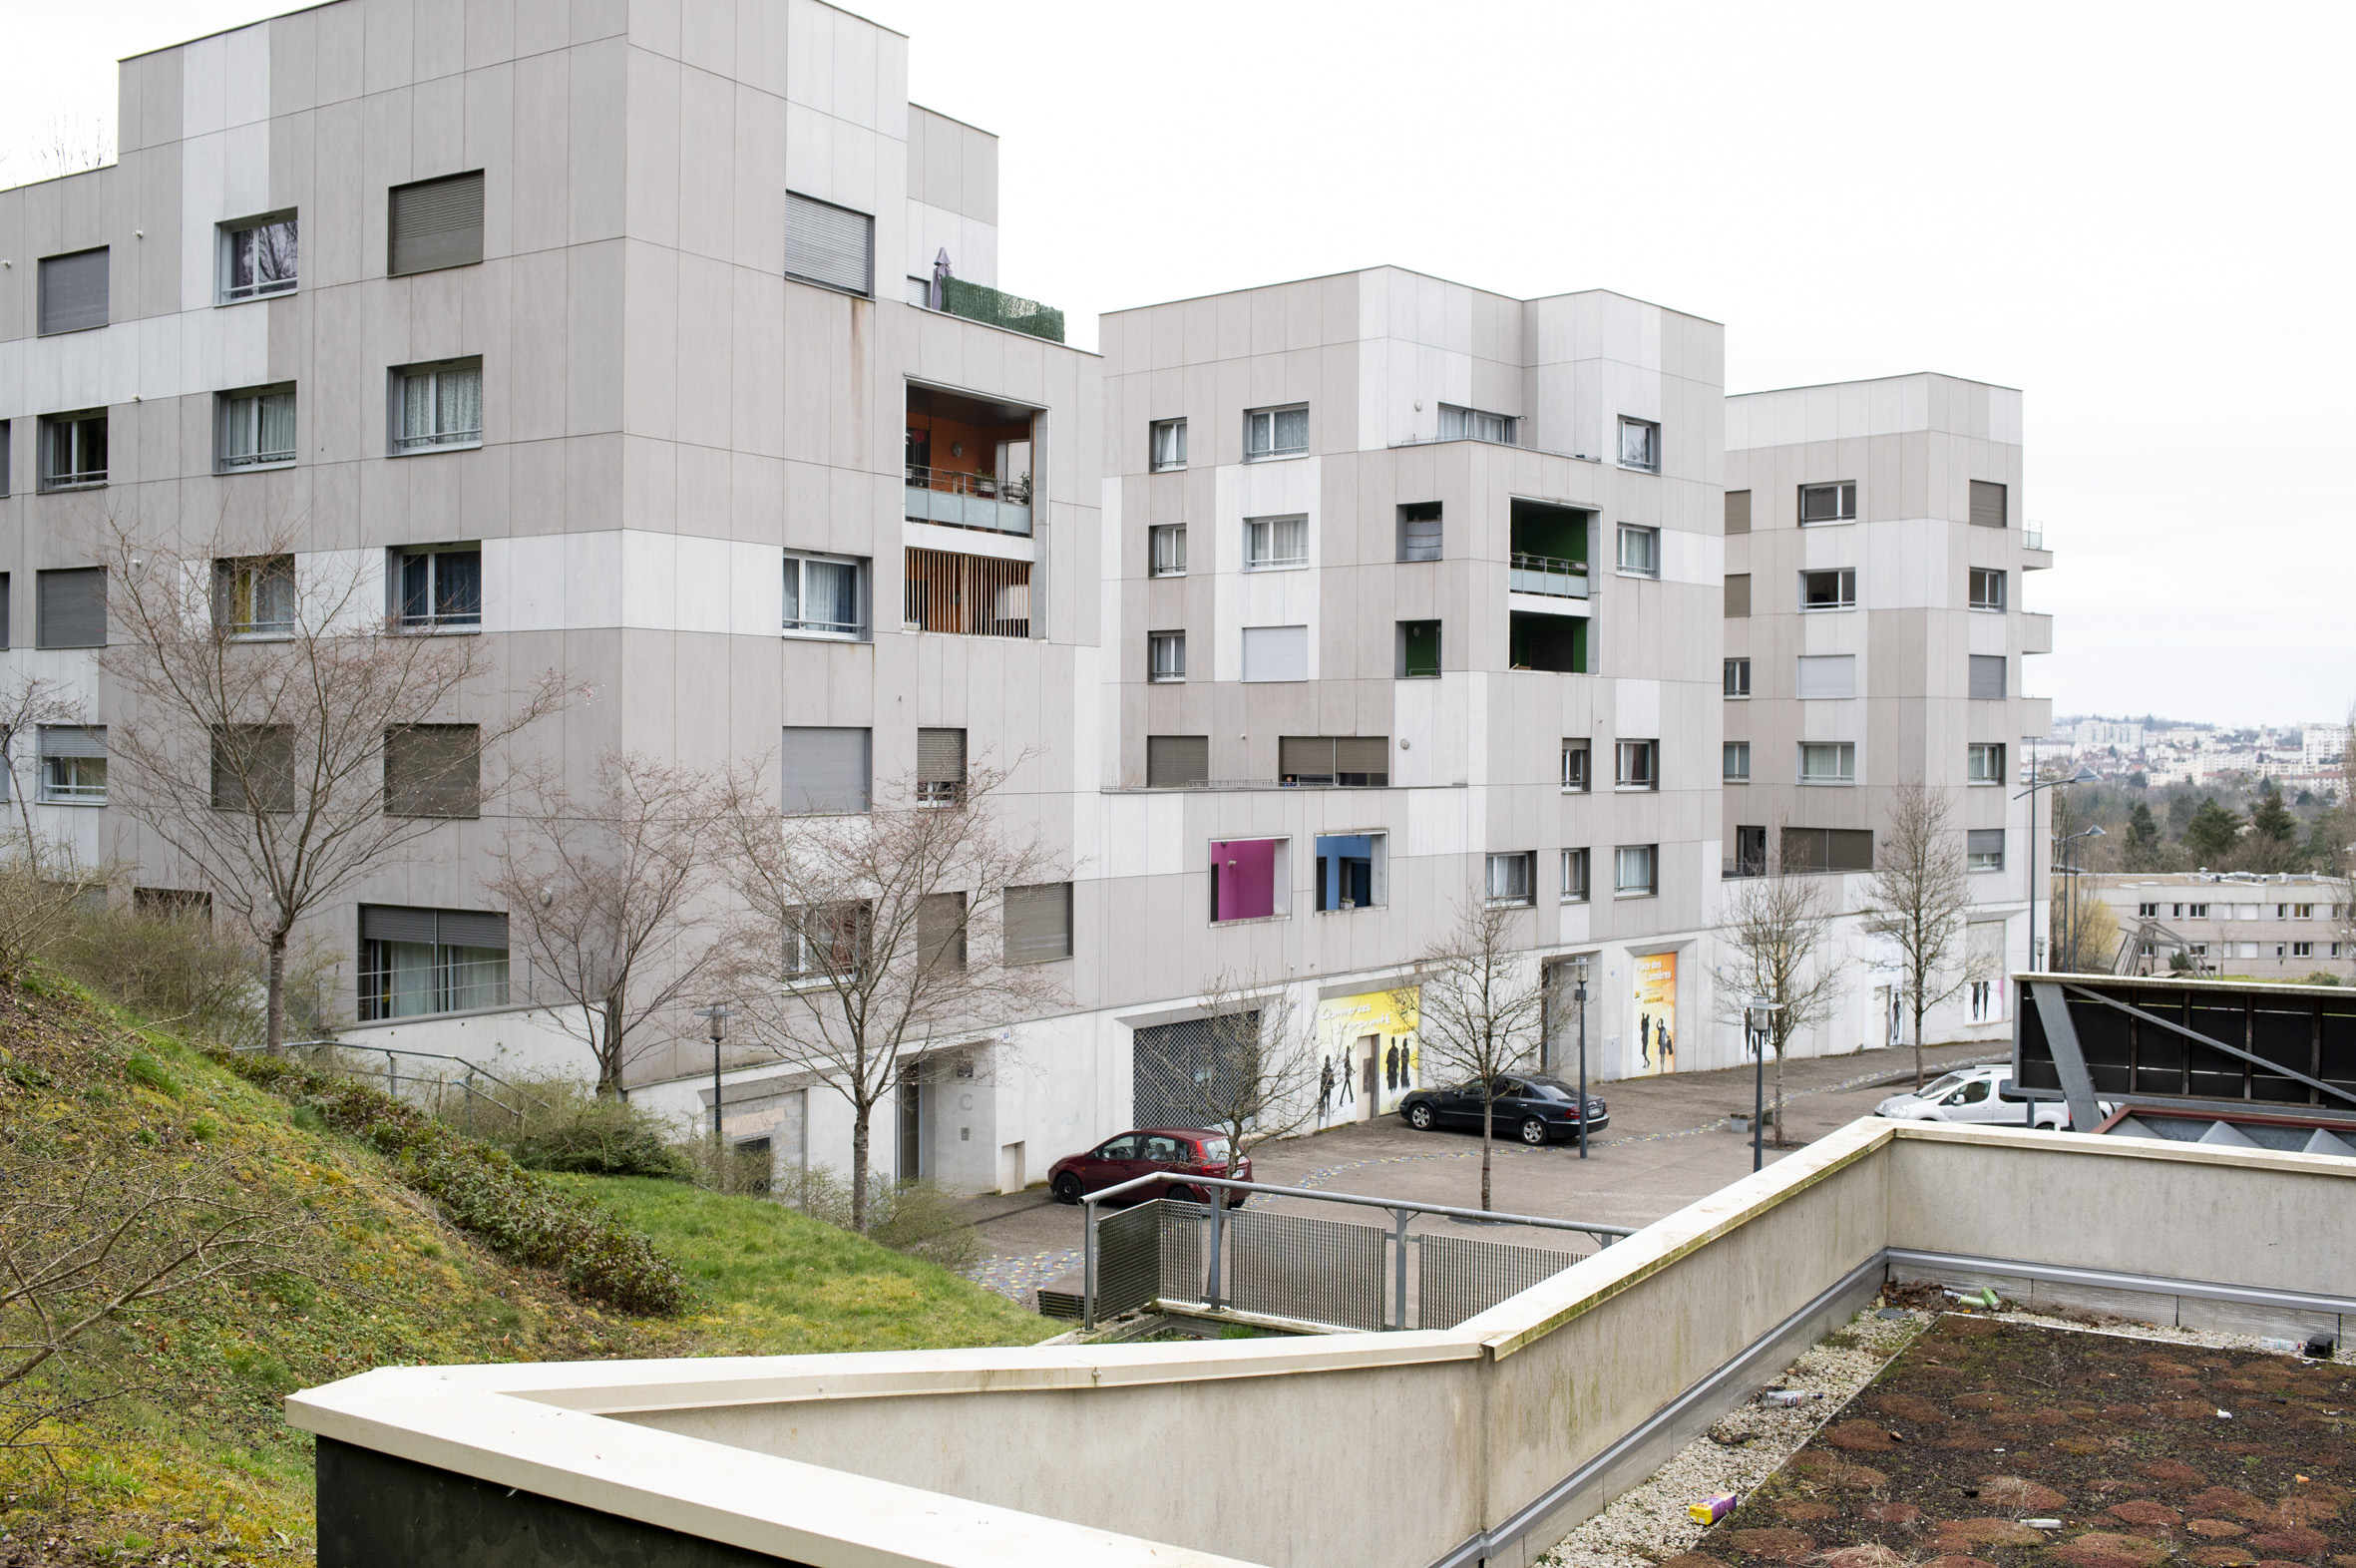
column 953, row 498
column 1322, row 1272
column 1553, row 575
column 473, row 1085
column 2032, row 536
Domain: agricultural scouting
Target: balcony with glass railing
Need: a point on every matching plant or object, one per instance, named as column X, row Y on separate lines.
column 1549, row 574
column 968, row 462
column 959, row 500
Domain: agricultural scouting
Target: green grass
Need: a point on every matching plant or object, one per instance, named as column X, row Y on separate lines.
column 777, row 1283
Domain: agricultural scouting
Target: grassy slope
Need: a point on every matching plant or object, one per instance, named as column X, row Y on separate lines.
column 204, row 1463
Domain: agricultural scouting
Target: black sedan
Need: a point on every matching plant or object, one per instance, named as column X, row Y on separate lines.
column 1535, row 1109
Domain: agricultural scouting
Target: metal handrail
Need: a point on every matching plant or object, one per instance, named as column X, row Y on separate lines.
column 1400, row 1208
column 960, row 482
column 1559, row 565
column 393, row 1077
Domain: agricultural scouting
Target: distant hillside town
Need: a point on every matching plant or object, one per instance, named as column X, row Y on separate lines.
column 2296, row 757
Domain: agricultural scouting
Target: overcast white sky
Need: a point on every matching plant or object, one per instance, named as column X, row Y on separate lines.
column 2138, row 214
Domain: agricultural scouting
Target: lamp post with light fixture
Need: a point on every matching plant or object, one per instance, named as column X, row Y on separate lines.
column 2084, row 776
column 1579, row 996
column 717, row 1012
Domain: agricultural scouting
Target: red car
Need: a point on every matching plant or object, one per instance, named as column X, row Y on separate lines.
column 1181, row 1151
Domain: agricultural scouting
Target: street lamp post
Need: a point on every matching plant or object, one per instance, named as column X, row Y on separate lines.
column 2084, row 775
column 1579, row 994
column 717, row 1012
column 2061, row 854
column 1764, row 1008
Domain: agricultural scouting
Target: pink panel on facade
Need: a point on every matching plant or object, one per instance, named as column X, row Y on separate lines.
column 1245, row 869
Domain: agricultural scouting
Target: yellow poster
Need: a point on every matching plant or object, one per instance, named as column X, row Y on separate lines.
column 1656, row 1013
column 1367, row 1058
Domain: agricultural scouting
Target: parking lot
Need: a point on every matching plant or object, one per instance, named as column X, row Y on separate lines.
column 1667, row 1144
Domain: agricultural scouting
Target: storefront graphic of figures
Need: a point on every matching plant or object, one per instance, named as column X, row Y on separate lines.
column 1366, row 1056
column 1655, row 997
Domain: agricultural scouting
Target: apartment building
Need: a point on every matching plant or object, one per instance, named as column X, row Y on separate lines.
column 1875, row 637
column 2284, row 927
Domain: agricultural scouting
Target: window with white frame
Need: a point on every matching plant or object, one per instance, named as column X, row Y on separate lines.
column 1736, row 767
column 1510, row 879
column 825, row 595
column 259, row 257
column 1276, row 432
column 2302, row 912
column 438, row 406
column 1827, row 503
column 1640, row 444
column 1473, row 424
column 1982, row 848
column 1169, row 445
column 1169, row 655
column 1574, row 876
column 1987, row 589
column 1640, row 551
column 2147, row 911
column 1831, row 588
column 254, row 596
column 437, row 587
column 1986, row 762
column 73, row 764
column 1738, row 678
column 1273, row 543
column 1575, row 773
column 1636, row 764
column 74, row 450
column 257, row 429
column 1636, row 871
column 2303, row 950
column 1828, row 762
column 1169, row 549
column 2197, row 912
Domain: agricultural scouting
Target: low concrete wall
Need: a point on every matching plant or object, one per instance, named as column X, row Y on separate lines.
column 1369, row 1450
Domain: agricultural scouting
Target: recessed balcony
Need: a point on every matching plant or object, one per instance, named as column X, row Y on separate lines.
column 969, row 463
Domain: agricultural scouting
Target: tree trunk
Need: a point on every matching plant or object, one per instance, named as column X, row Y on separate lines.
column 1488, row 1115
column 860, row 1112
column 1781, row 1141
column 273, row 1032
column 609, row 1051
column 1918, row 1040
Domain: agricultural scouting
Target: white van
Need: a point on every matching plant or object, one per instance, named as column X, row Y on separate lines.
column 1976, row 1094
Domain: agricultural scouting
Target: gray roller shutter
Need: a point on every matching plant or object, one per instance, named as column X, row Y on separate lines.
column 829, row 244
column 1984, row 842
column 433, row 770
column 940, row 756
column 1276, row 652
column 73, row 740
column 440, row 928
column 1039, row 922
column 466, row 929
column 1851, row 848
column 1738, row 595
column 72, row 609
column 1988, row 504
column 1174, row 761
column 1737, row 513
column 825, row 771
column 1369, row 754
column 74, row 291
column 436, row 223
column 393, row 922
column 1829, row 675
column 1304, row 754
column 1988, row 676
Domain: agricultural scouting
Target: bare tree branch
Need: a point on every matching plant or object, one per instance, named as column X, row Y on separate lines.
column 1775, row 944
column 1254, row 1075
column 1917, row 898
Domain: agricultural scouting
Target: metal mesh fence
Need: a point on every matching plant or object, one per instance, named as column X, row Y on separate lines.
column 1319, row 1271
column 1128, row 1259
column 1182, row 1229
column 1457, row 1276
column 1182, row 1070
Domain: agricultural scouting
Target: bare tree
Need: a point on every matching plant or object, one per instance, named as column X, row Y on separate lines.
column 1918, row 899
column 604, row 892
column 870, row 939
column 1481, row 1003
column 283, row 732
column 1775, row 944
column 40, row 883
column 1253, row 1071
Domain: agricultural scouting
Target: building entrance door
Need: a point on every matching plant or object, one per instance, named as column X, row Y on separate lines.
column 1370, row 1070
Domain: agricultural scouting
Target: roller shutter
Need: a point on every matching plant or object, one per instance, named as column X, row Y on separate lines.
column 437, row 223
column 829, row 245
column 74, row 291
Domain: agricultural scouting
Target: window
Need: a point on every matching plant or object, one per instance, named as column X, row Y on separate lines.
column 1419, row 530
column 1983, row 849
column 1575, row 774
column 1169, row 445
column 941, row 930
column 1168, row 650
column 826, row 595
column 2196, row 911
column 69, row 608
column 1750, row 852
column 966, row 596
column 2303, row 950
column 257, row 257
column 2197, row 949
column 1039, row 922
column 73, row 764
column 1737, row 766
column 1640, row 551
column 1276, row 652
column 1987, row 676
column 1738, row 678
column 415, row 962
column 1636, row 871
column 1738, row 595
column 439, row 587
column 438, row 406
column 1176, row 761
column 1249, row 878
column 1470, row 424
column 1827, row 503
column 2147, row 911
column 825, row 942
column 1828, row 762
column 257, row 429
column 825, row 771
column 1640, row 444
column 1169, row 549
column 436, row 223
column 2297, row 911
column 1738, row 511
column 433, row 770
column 1271, row 542
column 4, row 631
column 1828, row 674
column 1512, row 878
column 1828, row 590
column 4, row 464
column 1827, row 849
column 1987, row 589
column 1574, row 876
column 1355, row 762
column 73, row 451
column 1985, row 763
column 1636, row 764
column 941, row 767
column 1276, row 432
column 1989, row 504
column 254, row 596
column 253, row 767
column 74, row 291
column 1352, row 871
column 1418, row 651
column 829, row 245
